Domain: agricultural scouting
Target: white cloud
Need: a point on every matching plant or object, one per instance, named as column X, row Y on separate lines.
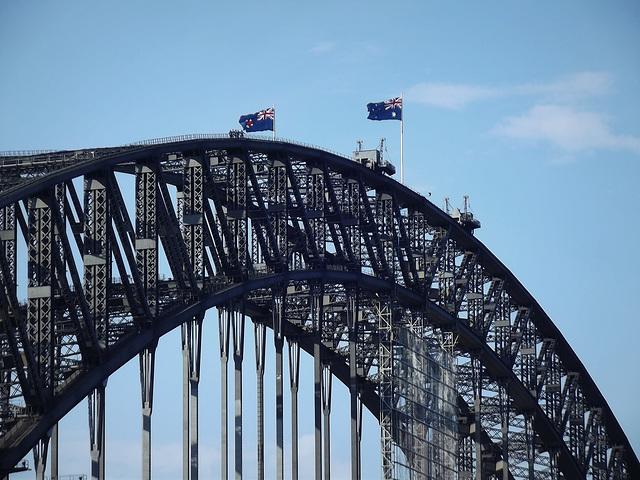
column 569, row 88
column 323, row 47
column 566, row 128
column 449, row 95
column 457, row 96
column 555, row 118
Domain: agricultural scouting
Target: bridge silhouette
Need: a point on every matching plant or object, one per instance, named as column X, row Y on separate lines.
column 397, row 299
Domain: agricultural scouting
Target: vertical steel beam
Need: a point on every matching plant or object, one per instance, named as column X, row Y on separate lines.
column 278, row 302
column 146, row 246
column 20, row 373
column 97, row 432
column 260, row 340
column 294, row 381
column 147, row 369
column 40, row 451
column 191, row 215
column 54, row 452
column 8, row 244
column 385, row 367
column 186, row 406
column 224, row 328
column 352, row 323
column 97, row 253
column 316, row 316
column 277, row 196
column 237, row 209
column 146, row 243
column 40, row 324
column 503, row 393
column 191, row 354
column 8, row 289
column 97, row 275
column 530, row 439
column 476, row 373
column 238, row 354
column 315, row 209
column 326, row 412
column 195, row 349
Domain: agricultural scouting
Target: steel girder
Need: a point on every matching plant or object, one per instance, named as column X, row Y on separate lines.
column 355, row 258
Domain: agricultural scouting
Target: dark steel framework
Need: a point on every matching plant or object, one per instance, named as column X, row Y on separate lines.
column 336, row 259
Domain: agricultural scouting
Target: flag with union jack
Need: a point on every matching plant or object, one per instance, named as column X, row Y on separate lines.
column 259, row 121
column 388, row 110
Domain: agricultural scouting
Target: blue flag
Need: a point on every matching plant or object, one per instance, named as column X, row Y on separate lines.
column 389, row 110
column 255, row 122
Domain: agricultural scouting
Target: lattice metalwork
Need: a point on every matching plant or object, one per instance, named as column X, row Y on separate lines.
column 146, row 241
column 465, row 372
column 97, row 253
column 41, row 275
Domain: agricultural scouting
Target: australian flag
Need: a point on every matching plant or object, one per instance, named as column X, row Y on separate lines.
column 255, row 122
column 388, row 110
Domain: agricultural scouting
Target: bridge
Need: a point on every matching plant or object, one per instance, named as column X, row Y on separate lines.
column 397, row 299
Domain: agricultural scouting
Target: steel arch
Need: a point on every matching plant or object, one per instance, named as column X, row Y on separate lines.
column 253, row 217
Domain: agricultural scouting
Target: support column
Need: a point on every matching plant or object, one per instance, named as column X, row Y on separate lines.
column 191, row 352
column 54, row 452
column 385, row 367
column 259, row 330
column 238, row 353
column 504, row 421
column 223, row 325
column 195, row 346
column 97, row 279
column 96, row 402
column 40, row 451
column 356, row 404
column 316, row 314
column 146, row 246
column 278, row 338
column 294, row 379
column 359, row 408
column 326, row 410
column 186, row 439
column 147, row 361
column 477, row 406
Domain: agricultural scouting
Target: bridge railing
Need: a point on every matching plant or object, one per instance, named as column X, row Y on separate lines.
column 13, row 157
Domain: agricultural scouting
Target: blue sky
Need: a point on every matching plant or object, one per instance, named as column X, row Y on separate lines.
column 531, row 109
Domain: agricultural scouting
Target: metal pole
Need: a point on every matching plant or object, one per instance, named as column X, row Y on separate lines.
column 96, row 402
column 238, row 351
column 477, row 403
column 146, row 387
column 40, row 451
column 223, row 325
column 316, row 313
column 185, row 402
column 54, row 452
column 195, row 347
column 274, row 122
column 352, row 321
column 326, row 410
column 193, row 383
column 401, row 139
column 278, row 311
column 294, row 378
column 259, row 331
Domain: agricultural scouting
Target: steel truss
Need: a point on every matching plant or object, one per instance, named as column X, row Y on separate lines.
column 466, row 374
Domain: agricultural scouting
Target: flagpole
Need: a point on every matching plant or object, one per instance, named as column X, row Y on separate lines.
column 274, row 122
column 401, row 139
